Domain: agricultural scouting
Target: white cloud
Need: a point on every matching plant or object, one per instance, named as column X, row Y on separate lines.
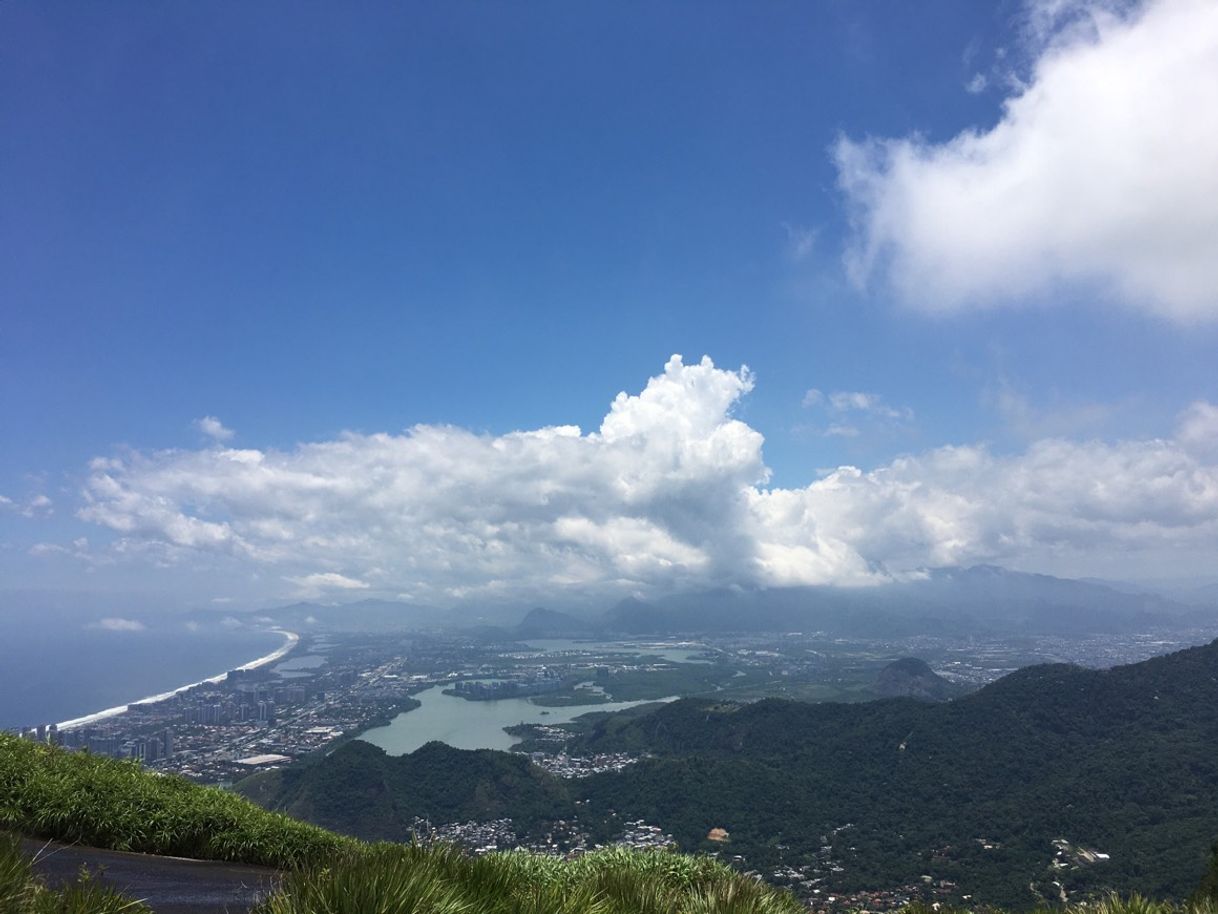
column 671, row 491
column 320, row 582
column 1099, row 178
column 1199, row 429
column 42, row 550
column 846, row 401
column 1062, row 504
column 838, row 430
column 213, row 428
column 801, row 241
column 978, row 84
column 119, row 625
column 1059, row 417
column 38, row 506
column 78, row 549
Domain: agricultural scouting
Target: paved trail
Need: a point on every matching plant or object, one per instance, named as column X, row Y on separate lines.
column 168, row 885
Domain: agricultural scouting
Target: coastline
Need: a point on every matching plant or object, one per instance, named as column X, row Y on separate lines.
column 292, row 639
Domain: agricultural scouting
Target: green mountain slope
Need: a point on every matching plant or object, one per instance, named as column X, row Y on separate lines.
column 1208, row 890
column 910, row 677
column 51, row 793
column 72, row 796
column 1120, row 760
column 361, row 791
column 974, row 791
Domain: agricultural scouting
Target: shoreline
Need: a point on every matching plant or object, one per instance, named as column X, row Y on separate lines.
column 292, row 640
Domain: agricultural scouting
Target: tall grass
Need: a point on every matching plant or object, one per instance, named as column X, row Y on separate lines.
column 21, row 892
column 442, row 880
column 1111, row 904
column 47, row 792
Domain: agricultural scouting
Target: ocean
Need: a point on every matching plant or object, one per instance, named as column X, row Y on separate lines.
column 52, row 676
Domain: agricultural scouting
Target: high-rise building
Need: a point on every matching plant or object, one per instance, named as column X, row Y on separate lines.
column 146, row 750
column 105, row 745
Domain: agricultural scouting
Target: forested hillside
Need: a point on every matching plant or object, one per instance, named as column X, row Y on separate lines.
column 974, row 791
column 361, row 791
column 1119, row 760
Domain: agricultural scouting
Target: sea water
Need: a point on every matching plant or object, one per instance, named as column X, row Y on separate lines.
column 52, row 676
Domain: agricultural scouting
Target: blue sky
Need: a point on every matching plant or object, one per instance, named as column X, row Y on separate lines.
column 308, row 221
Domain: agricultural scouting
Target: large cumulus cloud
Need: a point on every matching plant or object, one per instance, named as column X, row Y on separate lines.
column 671, row 491
column 1099, row 176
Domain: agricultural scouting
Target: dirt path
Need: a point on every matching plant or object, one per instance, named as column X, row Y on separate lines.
column 168, row 885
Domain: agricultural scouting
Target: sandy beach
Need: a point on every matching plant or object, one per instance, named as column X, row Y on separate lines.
column 291, row 640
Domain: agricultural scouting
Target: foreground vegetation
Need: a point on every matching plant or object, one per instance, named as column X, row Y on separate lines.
column 47, row 792
column 1112, row 904
column 443, row 880
column 22, row 893
column 51, row 793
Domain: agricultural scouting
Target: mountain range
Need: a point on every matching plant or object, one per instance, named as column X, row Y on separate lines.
column 983, row 599
column 980, row 599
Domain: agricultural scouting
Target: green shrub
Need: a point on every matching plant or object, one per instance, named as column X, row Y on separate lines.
column 1113, row 904
column 1208, row 890
column 443, row 880
column 48, row 792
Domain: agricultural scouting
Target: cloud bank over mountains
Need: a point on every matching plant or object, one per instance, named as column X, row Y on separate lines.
column 670, row 492
column 1098, row 179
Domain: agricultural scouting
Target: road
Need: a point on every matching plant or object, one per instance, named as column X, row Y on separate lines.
column 168, row 885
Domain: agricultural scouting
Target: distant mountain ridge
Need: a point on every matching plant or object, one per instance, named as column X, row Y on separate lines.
column 547, row 623
column 980, row 599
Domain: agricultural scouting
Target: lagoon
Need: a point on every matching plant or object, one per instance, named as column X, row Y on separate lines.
column 298, row 667
column 472, row 724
